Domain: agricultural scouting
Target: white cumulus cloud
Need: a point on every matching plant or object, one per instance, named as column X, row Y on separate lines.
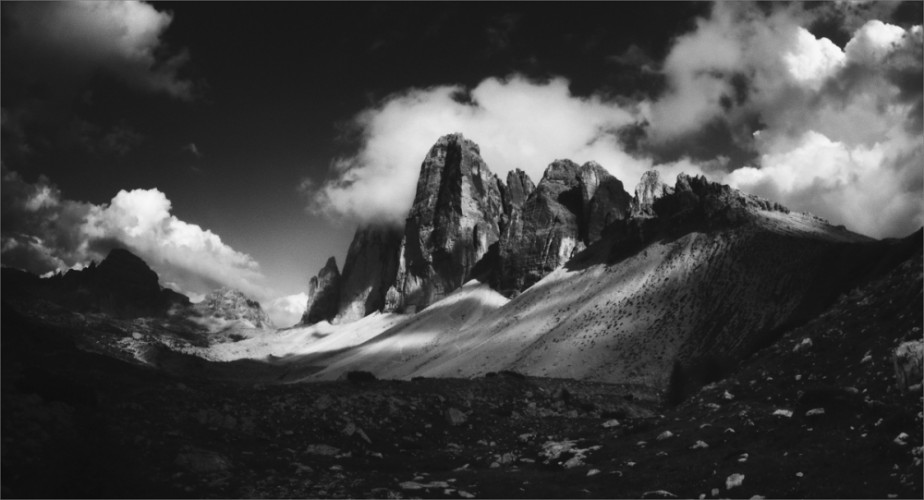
column 42, row 232
column 286, row 311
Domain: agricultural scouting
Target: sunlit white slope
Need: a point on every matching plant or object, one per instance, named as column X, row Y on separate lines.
column 432, row 332
column 297, row 341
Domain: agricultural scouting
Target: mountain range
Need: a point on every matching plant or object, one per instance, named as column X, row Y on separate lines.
column 576, row 278
column 560, row 339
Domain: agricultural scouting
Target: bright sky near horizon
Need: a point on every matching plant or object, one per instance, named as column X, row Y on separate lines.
column 240, row 143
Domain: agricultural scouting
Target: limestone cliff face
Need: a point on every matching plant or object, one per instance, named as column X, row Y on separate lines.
column 649, row 189
column 516, row 192
column 466, row 223
column 566, row 212
column 323, row 294
column 368, row 272
column 451, row 226
column 604, row 200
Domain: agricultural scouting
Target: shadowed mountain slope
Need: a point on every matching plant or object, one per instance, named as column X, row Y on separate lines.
column 712, row 277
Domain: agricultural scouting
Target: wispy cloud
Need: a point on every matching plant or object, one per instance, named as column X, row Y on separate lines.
column 76, row 38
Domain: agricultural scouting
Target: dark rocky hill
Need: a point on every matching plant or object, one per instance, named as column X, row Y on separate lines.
column 122, row 286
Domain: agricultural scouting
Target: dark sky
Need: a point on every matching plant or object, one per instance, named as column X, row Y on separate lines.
column 230, row 106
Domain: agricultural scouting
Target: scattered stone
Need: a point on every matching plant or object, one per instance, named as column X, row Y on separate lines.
column 465, row 494
column 804, row 345
column 322, row 449
column 742, row 458
column 901, row 439
column 665, row 435
column 734, row 481
column 552, row 450
column 137, row 336
column 414, row 485
column 815, row 412
column 728, row 396
column 197, row 460
column 593, row 472
column 455, row 417
column 699, row 445
column 783, row 413
column 658, row 494
column 715, row 492
column 799, row 474
column 610, row 423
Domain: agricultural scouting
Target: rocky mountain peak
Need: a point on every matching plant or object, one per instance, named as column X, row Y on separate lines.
column 466, row 223
column 323, row 294
column 698, row 201
column 231, row 304
column 127, row 269
column 519, row 187
column 649, row 189
column 453, row 222
column 369, row 271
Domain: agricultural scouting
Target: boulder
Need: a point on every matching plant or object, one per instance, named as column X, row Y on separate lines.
column 908, row 359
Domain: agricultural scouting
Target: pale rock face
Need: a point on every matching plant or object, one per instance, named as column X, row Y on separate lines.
column 232, row 305
column 323, row 294
column 649, row 189
column 452, row 224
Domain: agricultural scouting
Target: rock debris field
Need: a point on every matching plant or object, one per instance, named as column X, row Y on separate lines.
column 817, row 414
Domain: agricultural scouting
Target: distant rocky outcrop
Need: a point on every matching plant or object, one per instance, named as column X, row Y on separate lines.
column 122, row 285
column 695, row 201
column 228, row 304
column 323, row 294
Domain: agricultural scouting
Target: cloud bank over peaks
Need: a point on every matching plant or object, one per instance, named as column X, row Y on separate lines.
column 43, row 232
column 518, row 123
column 779, row 112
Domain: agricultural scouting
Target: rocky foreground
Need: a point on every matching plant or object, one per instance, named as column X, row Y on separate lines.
column 817, row 414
